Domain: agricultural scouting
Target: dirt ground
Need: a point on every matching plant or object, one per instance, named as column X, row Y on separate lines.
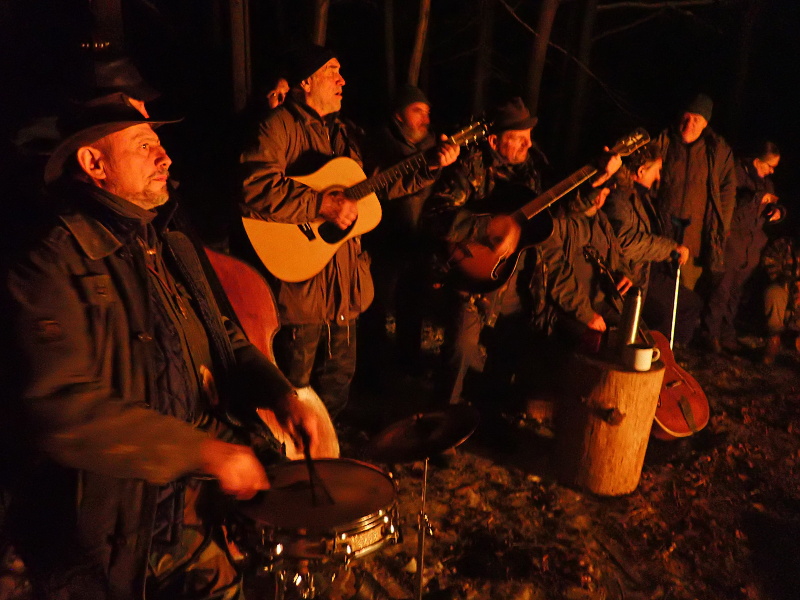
column 715, row 516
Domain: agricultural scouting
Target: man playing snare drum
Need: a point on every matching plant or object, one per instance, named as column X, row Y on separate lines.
column 122, row 380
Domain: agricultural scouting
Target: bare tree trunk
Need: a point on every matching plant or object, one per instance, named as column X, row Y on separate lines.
column 321, row 21
column 388, row 40
column 547, row 15
column 749, row 22
column 578, row 110
column 240, row 53
column 484, row 60
column 419, row 42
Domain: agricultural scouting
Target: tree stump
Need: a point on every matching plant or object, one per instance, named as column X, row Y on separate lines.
column 603, row 423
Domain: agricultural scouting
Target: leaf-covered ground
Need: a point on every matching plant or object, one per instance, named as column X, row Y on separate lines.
column 715, row 516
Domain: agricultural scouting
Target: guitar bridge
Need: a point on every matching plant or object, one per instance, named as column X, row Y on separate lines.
column 307, row 231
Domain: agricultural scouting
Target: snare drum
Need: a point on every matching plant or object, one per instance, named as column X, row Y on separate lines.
column 285, row 522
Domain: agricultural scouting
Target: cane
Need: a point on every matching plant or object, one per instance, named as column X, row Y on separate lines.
column 679, row 225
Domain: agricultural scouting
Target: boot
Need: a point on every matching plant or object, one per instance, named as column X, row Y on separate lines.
column 771, row 349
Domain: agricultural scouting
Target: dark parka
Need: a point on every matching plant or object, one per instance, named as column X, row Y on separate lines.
column 294, row 140
column 721, row 193
column 635, row 221
column 80, row 318
column 570, row 296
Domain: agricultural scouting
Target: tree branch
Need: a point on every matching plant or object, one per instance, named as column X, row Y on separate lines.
column 603, row 85
column 656, row 5
column 626, row 27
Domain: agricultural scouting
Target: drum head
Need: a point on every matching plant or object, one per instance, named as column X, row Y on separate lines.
column 357, row 489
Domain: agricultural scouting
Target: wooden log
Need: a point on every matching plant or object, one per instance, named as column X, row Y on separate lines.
column 603, row 423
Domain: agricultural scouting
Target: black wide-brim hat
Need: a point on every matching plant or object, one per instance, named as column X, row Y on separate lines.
column 511, row 115
column 85, row 123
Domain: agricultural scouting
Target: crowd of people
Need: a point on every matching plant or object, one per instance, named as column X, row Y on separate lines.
column 129, row 385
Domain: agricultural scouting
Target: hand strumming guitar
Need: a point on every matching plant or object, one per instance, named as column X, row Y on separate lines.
column 502, row 234
column 336, row 208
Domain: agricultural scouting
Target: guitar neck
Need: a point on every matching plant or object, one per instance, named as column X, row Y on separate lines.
column 538, row 204
column 412, row 164
column 384, row 178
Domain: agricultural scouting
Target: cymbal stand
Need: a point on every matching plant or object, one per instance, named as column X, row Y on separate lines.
column 424, row 527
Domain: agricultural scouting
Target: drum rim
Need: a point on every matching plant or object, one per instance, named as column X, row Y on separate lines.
column 352, row 527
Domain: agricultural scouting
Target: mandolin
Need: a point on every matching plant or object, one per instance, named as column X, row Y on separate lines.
column 480, row 268
column 682, row 404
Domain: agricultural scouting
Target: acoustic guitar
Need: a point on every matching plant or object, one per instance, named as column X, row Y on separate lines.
column 682, row 408
column 477, row 267
column 298, row 251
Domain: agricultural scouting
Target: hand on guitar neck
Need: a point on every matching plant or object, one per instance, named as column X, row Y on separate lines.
column 607, row 164
column 446, row 154
column 336, row 208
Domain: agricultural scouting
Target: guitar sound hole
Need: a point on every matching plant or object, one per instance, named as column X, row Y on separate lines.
column 331, row 234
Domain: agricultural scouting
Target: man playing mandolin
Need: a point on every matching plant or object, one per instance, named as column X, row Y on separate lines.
column 471, row 201
column 317, row 341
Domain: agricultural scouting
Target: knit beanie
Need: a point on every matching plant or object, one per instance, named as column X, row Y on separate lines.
column 701, row 105
column 409, row 94
column 306, row 62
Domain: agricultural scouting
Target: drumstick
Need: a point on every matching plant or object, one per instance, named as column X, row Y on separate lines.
column 313, row 478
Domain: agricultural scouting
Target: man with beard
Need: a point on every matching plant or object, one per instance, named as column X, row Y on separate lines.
column 126, row 385
column 461, row 209
column 316, row 344
column 395, row 245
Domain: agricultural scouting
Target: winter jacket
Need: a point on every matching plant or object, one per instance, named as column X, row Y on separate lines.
column 636, row 224
column 100, row 435
column 721, row 194
column 748, row 237
column 575, row 287
column 468, row 193
column 295, row 140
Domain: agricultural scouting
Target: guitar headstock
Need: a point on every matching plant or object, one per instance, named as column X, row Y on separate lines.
column 471, row 133
column 631, row 142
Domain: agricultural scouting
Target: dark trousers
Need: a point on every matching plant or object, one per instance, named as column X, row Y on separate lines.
column 323, row 356
column 725, row 298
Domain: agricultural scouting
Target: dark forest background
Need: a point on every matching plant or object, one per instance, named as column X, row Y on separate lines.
column 646, row 57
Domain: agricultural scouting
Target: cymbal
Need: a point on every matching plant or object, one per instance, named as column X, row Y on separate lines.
column 424, row 435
